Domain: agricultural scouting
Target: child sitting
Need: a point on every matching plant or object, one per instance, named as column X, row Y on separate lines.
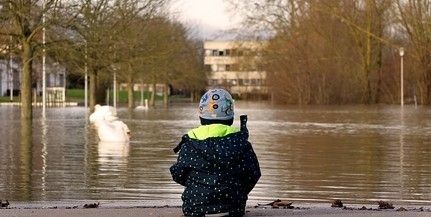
column 216, row 163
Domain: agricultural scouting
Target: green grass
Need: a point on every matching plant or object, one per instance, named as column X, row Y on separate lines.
column 122, row 96
column 75, row 94
column 79, row 95
column 7, row 99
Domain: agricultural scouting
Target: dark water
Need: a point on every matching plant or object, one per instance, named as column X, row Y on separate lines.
column 354, row 153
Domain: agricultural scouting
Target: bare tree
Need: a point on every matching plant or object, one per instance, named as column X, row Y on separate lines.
column 162, row 49
column 415, row 19
column 25, row 21
column 105, row 36
column 132, row 18
column 323, row 52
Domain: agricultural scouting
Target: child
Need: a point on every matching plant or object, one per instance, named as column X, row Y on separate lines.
column 216, row 162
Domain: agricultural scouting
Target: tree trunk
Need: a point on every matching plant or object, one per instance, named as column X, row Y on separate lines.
column 92, row 91
column 101, row 94
column 428, row 86
column 130, row 93
column 26, row 83
column 153, row 95
column 166, row 94
column 26, row 155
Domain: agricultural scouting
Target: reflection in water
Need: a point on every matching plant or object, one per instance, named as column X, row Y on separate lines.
column 26, row 158
column 113, row 154
column 354, row 153
column 44, row 152
column 113, row 162
column 402, row 153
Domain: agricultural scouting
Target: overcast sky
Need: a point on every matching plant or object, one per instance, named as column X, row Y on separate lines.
column 209, row 16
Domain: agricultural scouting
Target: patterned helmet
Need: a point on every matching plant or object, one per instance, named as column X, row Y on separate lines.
column 216, row 104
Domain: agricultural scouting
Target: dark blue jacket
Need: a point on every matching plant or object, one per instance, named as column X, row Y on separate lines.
column 218, row 172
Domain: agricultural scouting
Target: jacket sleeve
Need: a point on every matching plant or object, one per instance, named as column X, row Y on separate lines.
column 180, row 169
column 252, row 173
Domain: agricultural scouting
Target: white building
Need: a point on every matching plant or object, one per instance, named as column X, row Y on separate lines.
column 10, row 78
column 234, row 66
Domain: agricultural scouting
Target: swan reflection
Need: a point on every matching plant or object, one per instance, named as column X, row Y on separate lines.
column 113, row 153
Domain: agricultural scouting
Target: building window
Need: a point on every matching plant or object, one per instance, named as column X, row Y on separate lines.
column 244, row 82
column 61, row 78
column 48, row 81
column 217, row 68
column 16, row 79
column 221, row 67
column 208, row 52
column 215, row 52
column 234, row 52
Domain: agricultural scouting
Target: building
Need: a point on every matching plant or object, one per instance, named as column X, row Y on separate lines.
column 10, row 79
column 234, row 66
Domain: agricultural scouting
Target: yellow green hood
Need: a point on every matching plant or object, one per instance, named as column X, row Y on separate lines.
column 212, row 130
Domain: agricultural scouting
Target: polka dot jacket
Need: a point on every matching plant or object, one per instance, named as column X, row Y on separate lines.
column 217, row 172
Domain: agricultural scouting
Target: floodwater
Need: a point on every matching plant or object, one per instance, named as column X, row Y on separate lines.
column 358, row 154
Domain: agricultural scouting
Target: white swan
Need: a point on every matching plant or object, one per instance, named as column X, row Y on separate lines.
column 113, row 131
column 105, row 112
column 109, row 128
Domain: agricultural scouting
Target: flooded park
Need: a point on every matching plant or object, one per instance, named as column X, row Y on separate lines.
column 358, row 154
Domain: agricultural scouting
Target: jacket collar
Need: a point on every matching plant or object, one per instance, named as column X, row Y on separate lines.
column 212, row 130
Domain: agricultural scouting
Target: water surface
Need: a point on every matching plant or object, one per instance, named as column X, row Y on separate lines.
column 315, row 153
